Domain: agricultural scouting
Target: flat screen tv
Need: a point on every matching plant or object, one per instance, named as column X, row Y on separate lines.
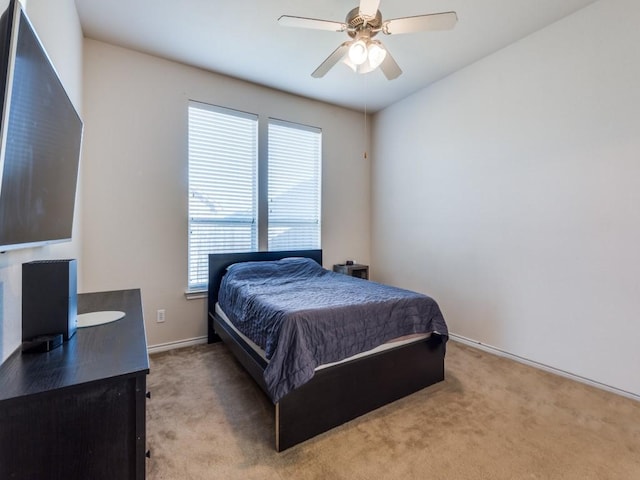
column 40, row 140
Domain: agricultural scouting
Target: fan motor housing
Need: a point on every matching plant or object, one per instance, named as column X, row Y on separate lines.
column 357, row 23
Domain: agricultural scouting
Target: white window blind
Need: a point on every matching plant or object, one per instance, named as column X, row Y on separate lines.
column 294, row 172
column 223, row 159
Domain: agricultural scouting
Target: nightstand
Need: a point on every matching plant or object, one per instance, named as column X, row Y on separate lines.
column 355, row 270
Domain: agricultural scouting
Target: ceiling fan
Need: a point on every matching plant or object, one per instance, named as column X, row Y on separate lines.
column 362, row 53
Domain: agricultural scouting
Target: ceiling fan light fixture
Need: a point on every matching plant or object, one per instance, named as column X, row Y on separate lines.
column 360, row 69
column 358, row 52
column 376, row 54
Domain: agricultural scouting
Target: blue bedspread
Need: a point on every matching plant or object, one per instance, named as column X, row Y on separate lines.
column 304, row 316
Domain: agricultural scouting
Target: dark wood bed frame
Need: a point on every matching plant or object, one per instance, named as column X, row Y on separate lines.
column 335, row 394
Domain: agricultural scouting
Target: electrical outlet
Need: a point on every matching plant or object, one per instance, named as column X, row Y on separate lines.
column 160, row 316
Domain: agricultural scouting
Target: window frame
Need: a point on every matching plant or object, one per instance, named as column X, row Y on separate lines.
column 261, row 181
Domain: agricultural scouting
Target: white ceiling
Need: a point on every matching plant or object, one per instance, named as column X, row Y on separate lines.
column 242, row 39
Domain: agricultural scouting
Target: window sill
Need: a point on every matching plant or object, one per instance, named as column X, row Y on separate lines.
column 195, row 294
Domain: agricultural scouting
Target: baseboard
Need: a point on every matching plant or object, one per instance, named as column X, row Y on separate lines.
column 189, row 342
column 163, row 347
column 542, row 366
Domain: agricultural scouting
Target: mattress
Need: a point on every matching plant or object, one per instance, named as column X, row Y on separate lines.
column 396, row 342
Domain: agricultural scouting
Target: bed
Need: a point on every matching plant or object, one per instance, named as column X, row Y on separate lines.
column 336, row 393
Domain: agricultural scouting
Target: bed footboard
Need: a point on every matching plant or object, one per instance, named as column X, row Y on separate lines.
column 346, row 391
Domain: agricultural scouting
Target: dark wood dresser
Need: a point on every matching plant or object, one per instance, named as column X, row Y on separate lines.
column 78, row 412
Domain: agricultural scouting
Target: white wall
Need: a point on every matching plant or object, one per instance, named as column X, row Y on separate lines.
column 135, row 177
column 58, row 27
column 510, row 191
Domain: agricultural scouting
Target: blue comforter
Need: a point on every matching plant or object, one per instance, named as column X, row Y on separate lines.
column 304, row 316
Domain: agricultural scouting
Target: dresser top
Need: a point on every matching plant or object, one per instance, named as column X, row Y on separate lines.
column 93, row 353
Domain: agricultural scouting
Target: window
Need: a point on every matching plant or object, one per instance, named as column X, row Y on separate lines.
column 223, row 160
column 294, row 186
column 227, row 212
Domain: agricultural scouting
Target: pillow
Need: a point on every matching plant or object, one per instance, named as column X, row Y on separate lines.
column 286, row 267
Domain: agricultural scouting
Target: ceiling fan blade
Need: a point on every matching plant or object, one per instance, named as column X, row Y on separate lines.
column 434, row 21
column 389, row 67
column 337, row 55
column 369, row 8
column 302, row 22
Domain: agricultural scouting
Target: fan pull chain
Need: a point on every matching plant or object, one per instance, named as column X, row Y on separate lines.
column 365, row 131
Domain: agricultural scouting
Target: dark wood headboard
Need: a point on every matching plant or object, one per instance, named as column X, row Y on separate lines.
column 218, row 263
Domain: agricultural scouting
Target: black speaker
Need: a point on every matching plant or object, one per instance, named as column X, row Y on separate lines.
column 49, row 298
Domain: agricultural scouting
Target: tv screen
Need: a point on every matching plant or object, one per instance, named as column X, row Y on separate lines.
column 41, row 136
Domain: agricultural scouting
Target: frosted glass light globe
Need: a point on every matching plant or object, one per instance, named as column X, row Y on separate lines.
column 358, row 52
column 376, row 55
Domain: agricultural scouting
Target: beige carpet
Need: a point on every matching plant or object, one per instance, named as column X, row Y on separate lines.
column 491, row 418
